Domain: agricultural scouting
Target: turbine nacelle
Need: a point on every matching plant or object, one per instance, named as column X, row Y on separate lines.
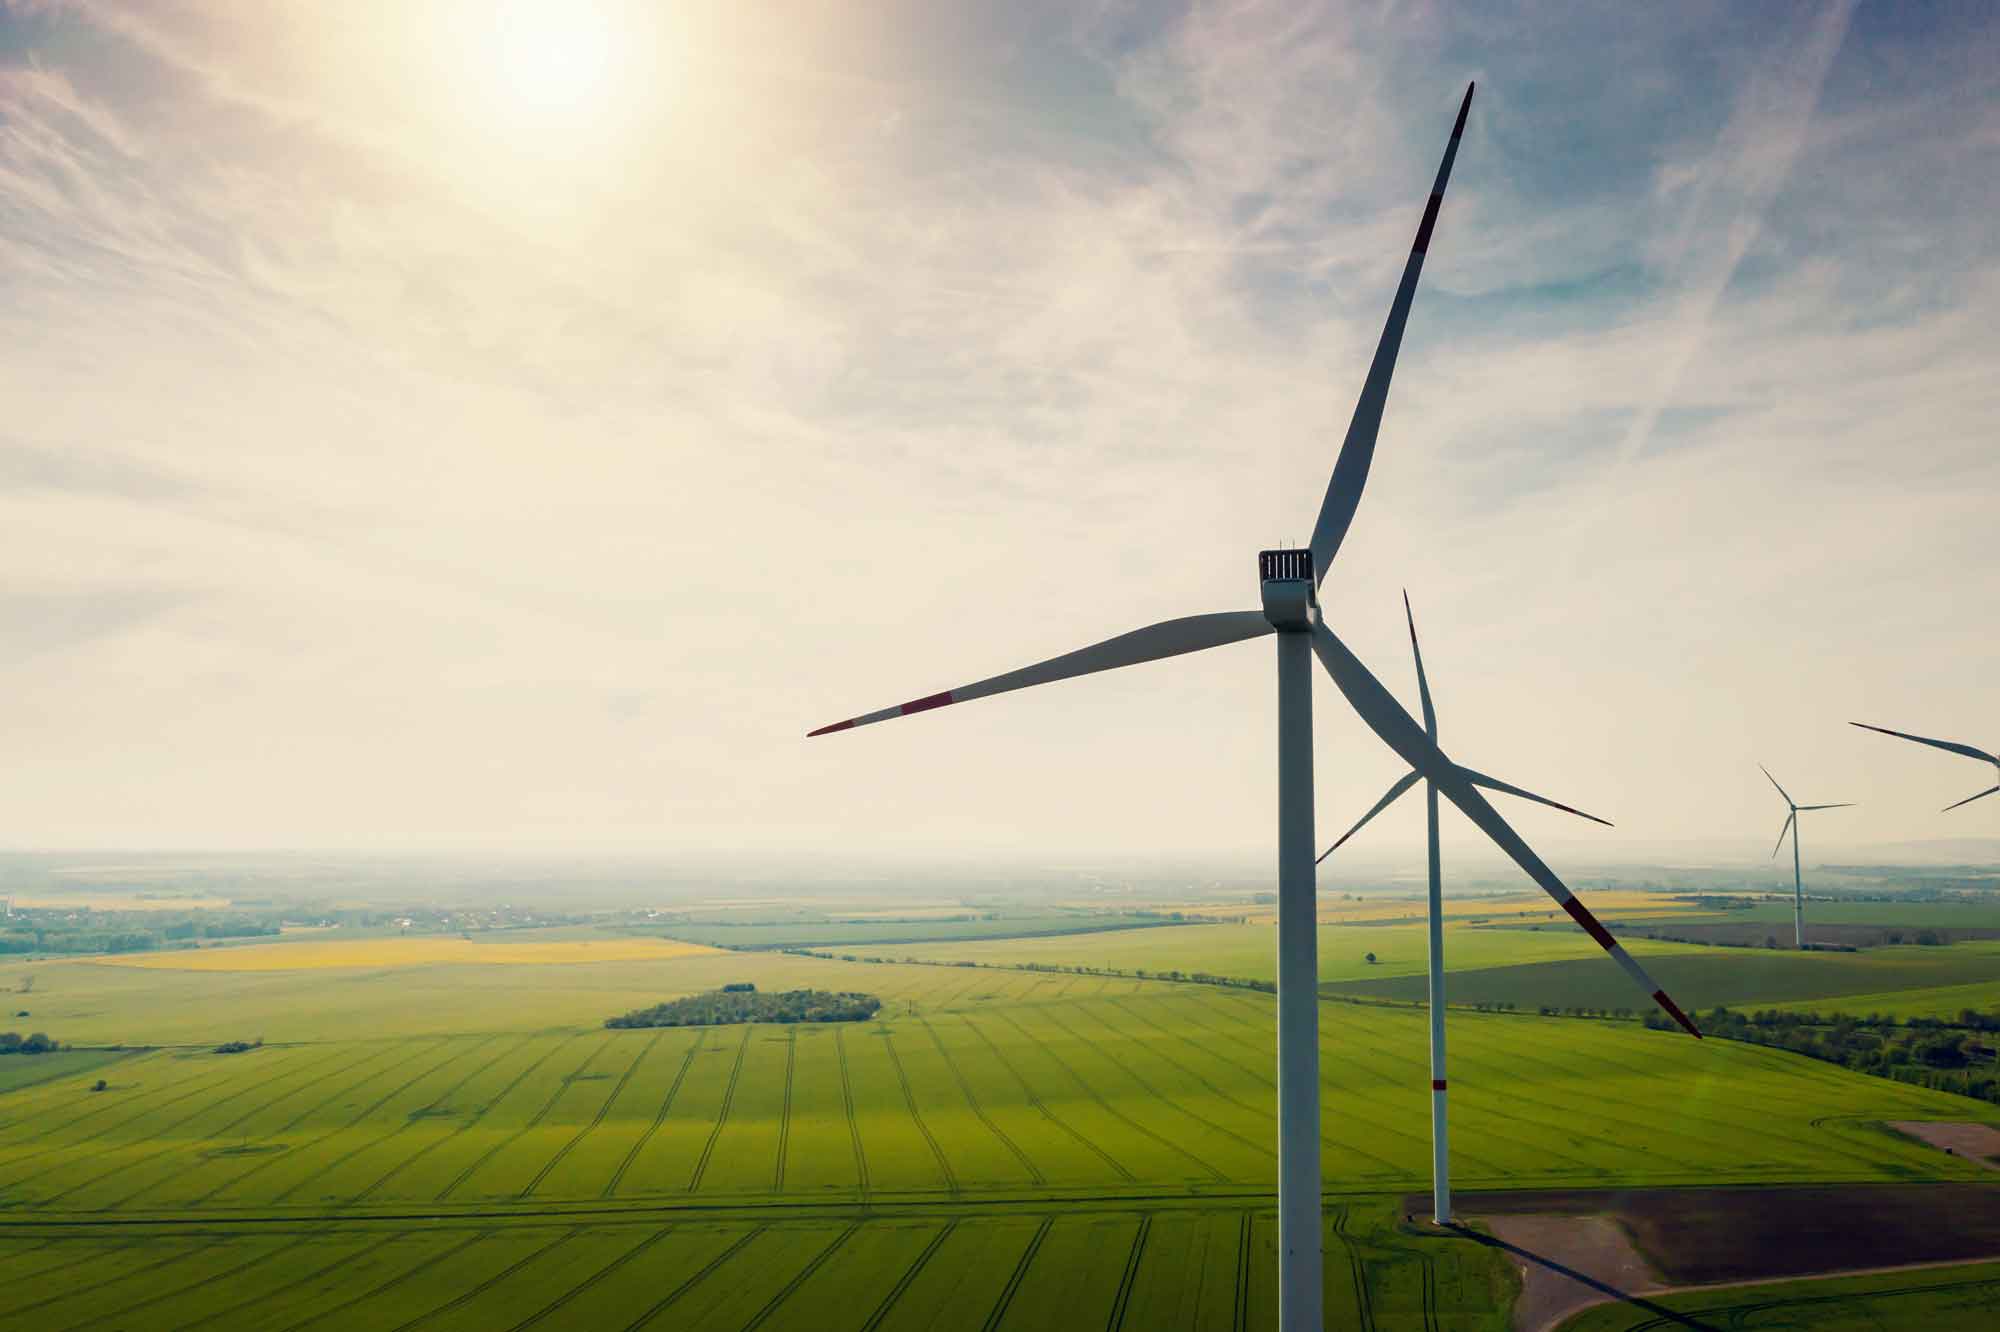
column 1286, row 579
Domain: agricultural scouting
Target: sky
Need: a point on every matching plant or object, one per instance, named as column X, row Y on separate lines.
column 510, row 425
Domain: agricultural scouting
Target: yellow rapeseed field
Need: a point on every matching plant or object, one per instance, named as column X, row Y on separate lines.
column 405, row 952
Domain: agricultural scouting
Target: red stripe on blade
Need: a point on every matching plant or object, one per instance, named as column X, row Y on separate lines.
column 926, row 704
column 1590, row 926
column 847, row 725
column 1437, row 1084
column 1674, row 1011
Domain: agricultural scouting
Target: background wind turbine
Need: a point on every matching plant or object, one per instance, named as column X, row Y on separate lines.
column 1440, row 1137
column 1289, row 581
column 1792, row 826
column 1951, row 746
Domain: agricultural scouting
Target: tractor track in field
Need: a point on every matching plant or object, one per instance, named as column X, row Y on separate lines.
column 353, row 1152
column 466, row 1297
column 1123, row 1304
column 1034, row 1172
column 110, row 1319
column 595, row 1120
column 593, row 1279
column 1075, row 1134
column 707, row 1269
column 1155, row 1094
column 910, row 1274
column 306, row 1114
column 1109, row 1108
column 1019, row 1274
column 785, row 1291
column 171, row 1149
column 32, row 1123
column 195, row 1114
column 785, row 1113
column 1364, row 1306
column 267, row 1296
column 368, row 1110
column 473, row 1122
column 153, row 1266
column 562, row 1089
column 1213, row 1090
column 659, row 1116
column 910, row 1099
column 722, row 1115
column 1326, row 1139
column 90, row 1256
column 1430, row 1293
column 847, row 1105
column 1240, row 1318
column 393, row 1282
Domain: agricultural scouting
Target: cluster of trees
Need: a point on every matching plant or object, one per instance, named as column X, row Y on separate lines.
column 13, row 1042
column 720, row 1007
column 1944, row 1054
column 238, row 1047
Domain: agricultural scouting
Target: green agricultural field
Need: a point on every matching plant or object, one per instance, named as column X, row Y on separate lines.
column 1706, row 977
column 886, row 931
column 1984, row 914
column 1962, row 1298
column 1250, row 951
column 466, row 1146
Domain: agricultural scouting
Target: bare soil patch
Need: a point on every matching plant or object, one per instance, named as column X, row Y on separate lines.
column 1712, row 1236
column 1975, row 1142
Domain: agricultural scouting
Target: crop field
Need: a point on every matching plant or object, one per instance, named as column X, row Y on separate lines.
column 312, row 954
column 884, row 929
column 1964, row 1296
column 1704, row 977
column 1245, row 950
column 452, row 1144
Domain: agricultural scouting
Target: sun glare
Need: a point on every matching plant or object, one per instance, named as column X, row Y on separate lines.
column 553, row 57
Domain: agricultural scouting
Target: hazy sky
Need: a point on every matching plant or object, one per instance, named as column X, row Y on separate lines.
column 435, row 423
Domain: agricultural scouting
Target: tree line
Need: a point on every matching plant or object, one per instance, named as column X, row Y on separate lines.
column 1940, row 1053
column 721, row 1007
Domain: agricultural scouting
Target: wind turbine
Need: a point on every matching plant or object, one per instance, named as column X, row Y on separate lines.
column 1792, row 827
column 1440, row 1148
column 1953, row 747
column 1289, row 581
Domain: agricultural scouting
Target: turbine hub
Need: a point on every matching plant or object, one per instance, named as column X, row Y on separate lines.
column 1290, row 603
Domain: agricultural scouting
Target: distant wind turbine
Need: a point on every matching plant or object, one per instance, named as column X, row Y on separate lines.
column 1289, row 582
column 1440, row 1147
column 1792, row 826
column 1951, row 746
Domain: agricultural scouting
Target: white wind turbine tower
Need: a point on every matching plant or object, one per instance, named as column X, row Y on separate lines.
column 1289, row 581
column 1792, row 826
column 1440, row 1137
column 1950, row 746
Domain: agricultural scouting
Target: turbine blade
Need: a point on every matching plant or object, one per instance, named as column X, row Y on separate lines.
column 1774, row 781
column 1969, row 799
column 1495, row 784
column 1397, row 729
column 1950, row 745
column 1779, row 846
column 1357, row 451
column 1845, row 804
column 1403, row 783
column 1170, row 638
column 1423, row 685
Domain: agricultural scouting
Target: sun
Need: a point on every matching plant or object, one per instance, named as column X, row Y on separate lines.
column 552, row 58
